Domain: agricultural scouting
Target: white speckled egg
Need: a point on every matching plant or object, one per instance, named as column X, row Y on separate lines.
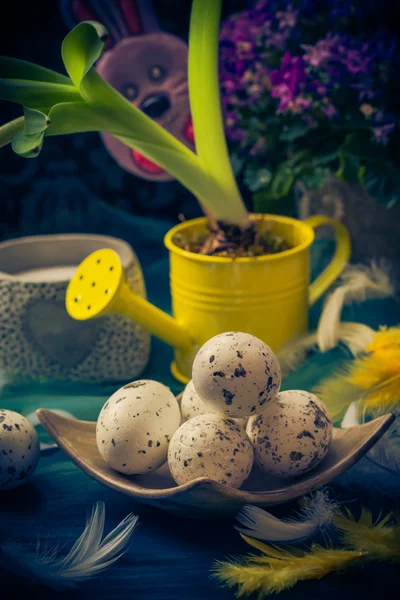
column 19, row 449
column 210, row 446
column 292, row 435
column 135, row 427
column 236, row 374
column 193, row 406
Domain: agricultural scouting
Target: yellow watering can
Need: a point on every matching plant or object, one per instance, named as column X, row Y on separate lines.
column 267, row 296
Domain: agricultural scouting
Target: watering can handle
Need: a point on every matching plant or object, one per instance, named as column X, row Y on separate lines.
column 339, row 260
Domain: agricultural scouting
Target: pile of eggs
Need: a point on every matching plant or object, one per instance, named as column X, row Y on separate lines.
column 232, row 416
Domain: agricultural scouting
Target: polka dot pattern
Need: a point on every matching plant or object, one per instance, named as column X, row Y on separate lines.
column 117, row 348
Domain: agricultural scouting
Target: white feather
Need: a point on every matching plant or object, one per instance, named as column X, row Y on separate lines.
column 88, row 556
column 386, row 453
column 316, row 516
column 357, row 283
column 292, row 355
column 351, row 417
column 32, row 418
column 355, row 336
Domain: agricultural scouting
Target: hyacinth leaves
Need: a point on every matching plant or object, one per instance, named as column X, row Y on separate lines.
column 205, row 102
column 57, row 105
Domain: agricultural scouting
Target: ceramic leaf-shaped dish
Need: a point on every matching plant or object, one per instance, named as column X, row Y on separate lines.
column 203, row 497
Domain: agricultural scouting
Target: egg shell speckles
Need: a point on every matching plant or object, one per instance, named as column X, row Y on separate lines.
column 135, row 427
column 292, row 435
column 213, row 447
column 236, row 374
column 19, row 449
column 193, row 406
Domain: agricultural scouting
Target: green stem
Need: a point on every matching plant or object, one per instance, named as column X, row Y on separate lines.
column 138, row 131
column 10, row 130
column 205, row 105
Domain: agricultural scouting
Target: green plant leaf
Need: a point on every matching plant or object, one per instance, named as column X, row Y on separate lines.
column 9, row 130
column 370, row 164
column 282, row 181
column 205, row 104
column 349, row 166
column 276, row 196
column 265, row 202
column 14, row 68
column 76, row 117
column 35, row 121
column 294, row 131
column 325, row 158
column 148, row 136
column 256, row 177
column 91, row 104
column 35, row 94
column 82, row 47
column 28, row 146
column 314, row 177
column 381, row 179
column 237, row 162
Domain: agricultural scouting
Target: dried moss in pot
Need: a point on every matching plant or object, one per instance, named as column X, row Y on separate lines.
column 230, row 242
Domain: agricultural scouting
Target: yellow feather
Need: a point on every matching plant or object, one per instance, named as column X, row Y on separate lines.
column 379, row 539
column 272, row 551
column 279, row 570
column 373, row 380
column 381, row 398
column 372, row 368
column 337, row 393
column 385, row 339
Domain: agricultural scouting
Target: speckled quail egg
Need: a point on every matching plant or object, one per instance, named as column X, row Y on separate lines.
column 210, row 446
column 236, row 374
column 19, row 449
column 135, row 427
column 292, row 435
column 193, row 406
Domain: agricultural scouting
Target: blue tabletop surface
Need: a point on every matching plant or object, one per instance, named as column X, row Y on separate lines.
column 170, row 557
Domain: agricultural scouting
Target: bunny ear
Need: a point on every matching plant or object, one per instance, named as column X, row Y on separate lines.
column 104, row 11
column 139, row 16
column 110, row 16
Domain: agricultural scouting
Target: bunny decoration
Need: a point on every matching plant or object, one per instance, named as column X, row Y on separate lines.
column 146, row 65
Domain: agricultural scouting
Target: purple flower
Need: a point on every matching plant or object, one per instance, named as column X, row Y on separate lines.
column 261, row 5
column 287, row 18
column 277, row 40
column 382, row 132
column 229, row 86
column 322, row 51
column 258, row 147
column 315, row 83
column 282, row 92
column 330, row 111
column 319, row 88
column 357, row 61
column 364, row 89
column 299, row 105
column 310, row 121
column 288, row 80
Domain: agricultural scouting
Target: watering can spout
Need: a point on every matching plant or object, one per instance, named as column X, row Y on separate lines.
column 99, row 288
